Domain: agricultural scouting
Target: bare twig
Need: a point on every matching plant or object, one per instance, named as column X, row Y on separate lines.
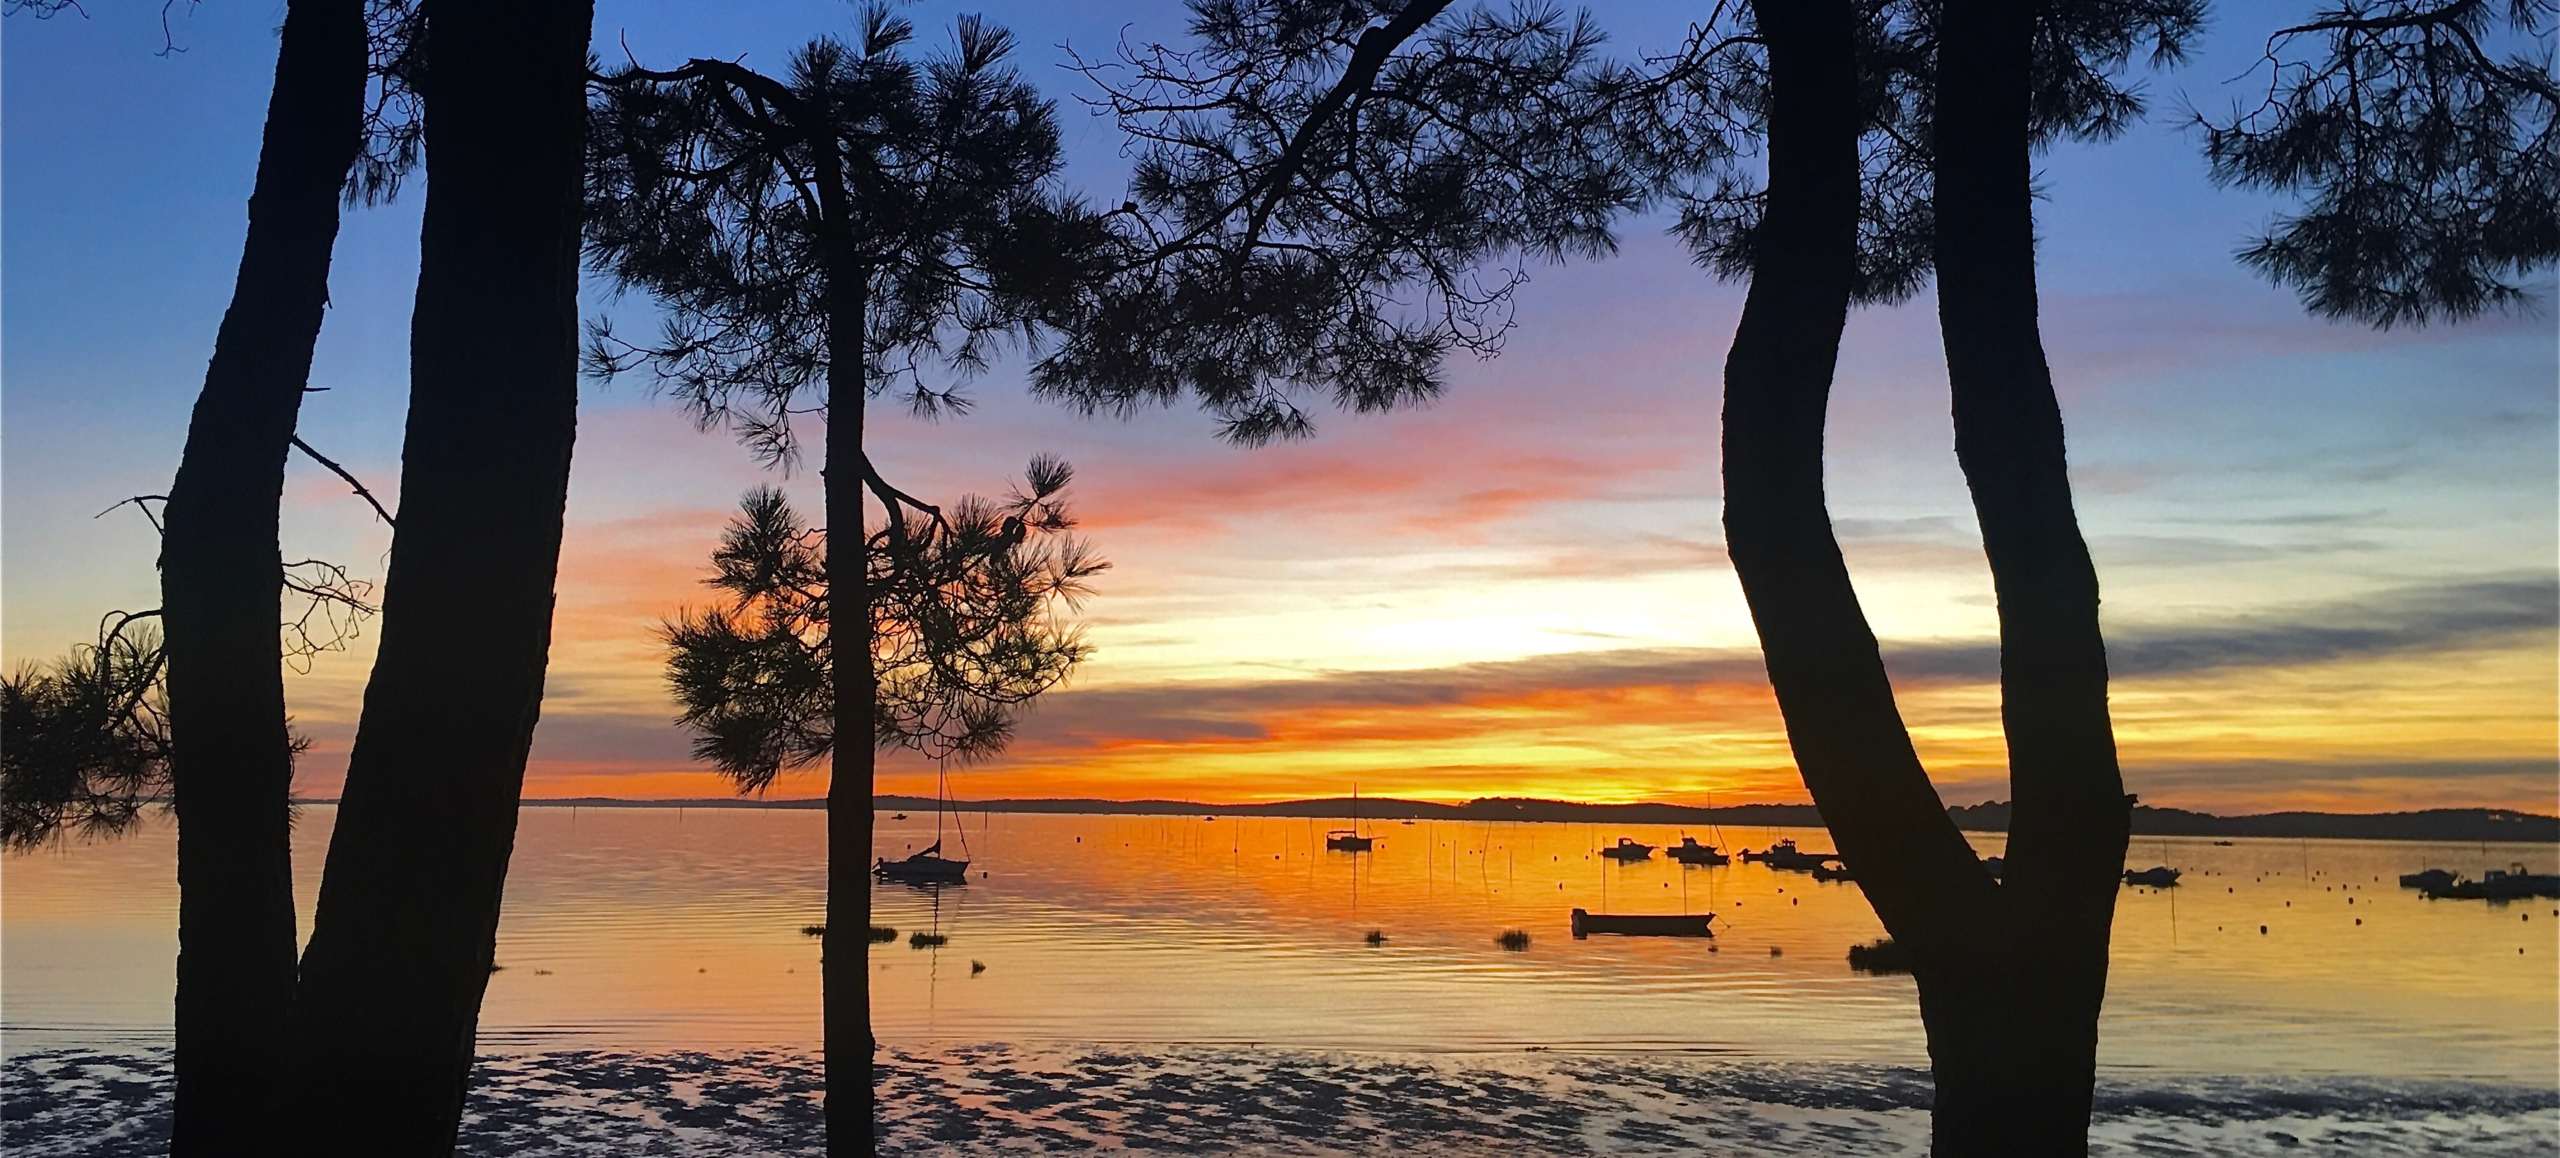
column 350, row 478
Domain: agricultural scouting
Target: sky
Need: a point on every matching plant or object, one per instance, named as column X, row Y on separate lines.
column 2329, row 560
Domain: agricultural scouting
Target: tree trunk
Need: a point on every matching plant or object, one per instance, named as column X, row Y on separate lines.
column 1830, row 680
column 845, row 974
column 232, row 768
column 2070, row 817
column 403, row 943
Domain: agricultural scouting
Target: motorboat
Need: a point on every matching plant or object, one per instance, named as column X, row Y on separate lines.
column 2434, row 878
column 2507, row 884
column 1628, row 850
column 1785, row 855
column 2158, row 876
column 1689, row 851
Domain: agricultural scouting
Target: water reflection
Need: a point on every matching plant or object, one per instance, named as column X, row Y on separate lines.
column 655, row 928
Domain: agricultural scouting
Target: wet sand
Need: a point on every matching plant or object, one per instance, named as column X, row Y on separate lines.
column 994, row 1099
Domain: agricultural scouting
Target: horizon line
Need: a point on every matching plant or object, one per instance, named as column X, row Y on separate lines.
column 803, row 802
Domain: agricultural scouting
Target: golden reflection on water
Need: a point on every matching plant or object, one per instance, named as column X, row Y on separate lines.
column 668, row 928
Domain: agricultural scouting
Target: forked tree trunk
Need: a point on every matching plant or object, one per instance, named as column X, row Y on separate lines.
column 232, row 768
column 1981, row 999
column 2010, row 977
column 845, row 974
column 402, row 946
column 1830, row 680
column 2026, row 1089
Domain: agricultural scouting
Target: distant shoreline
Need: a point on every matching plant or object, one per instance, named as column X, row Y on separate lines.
column 2449, row 825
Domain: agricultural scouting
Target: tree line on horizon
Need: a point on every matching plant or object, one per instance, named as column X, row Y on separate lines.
column 1323, row 199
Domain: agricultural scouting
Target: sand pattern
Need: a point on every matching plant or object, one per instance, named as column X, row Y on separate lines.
column 83, row 1103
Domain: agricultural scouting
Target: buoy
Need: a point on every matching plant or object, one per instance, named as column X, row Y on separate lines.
column 2262, row 930
column 2359, row 920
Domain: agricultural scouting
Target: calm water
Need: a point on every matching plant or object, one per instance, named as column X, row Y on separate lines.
column 656, row 929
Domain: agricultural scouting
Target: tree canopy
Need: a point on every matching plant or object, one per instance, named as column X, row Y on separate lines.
column 2429, row 162
column 967, row 626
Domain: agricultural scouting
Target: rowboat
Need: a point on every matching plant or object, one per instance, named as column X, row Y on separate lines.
column 1586, row 923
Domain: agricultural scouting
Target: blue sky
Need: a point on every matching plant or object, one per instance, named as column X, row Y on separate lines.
column 2241, row 468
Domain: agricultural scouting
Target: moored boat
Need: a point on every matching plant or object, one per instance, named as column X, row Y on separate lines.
column 2507, row 884
column 2158, row 876
column 1689, row 851
column 1827, row 872
column 1350, row 839
column 1629, row 850
column 926, row 867
column 2434, row 878
column 1785, row 855
column 1586, row 923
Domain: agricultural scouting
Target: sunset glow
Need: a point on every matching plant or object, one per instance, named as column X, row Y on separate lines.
column 2326, row 553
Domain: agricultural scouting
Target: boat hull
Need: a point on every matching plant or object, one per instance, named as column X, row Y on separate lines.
column 922, row 870
column 1587, row 923
column 1803, row 862
column 2507, row 888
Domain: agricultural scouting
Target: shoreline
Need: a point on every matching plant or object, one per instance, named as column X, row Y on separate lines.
column 2429, row 826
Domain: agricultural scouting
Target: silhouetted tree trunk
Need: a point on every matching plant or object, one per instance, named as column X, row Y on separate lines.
column 1832, row 687
column 2011, row 976
column 402, row 945
column 845, row 976
column 232, row 762
column 2014, row 1023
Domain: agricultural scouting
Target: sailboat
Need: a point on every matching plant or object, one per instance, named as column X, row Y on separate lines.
column 1349, row 839
column 929, row 867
